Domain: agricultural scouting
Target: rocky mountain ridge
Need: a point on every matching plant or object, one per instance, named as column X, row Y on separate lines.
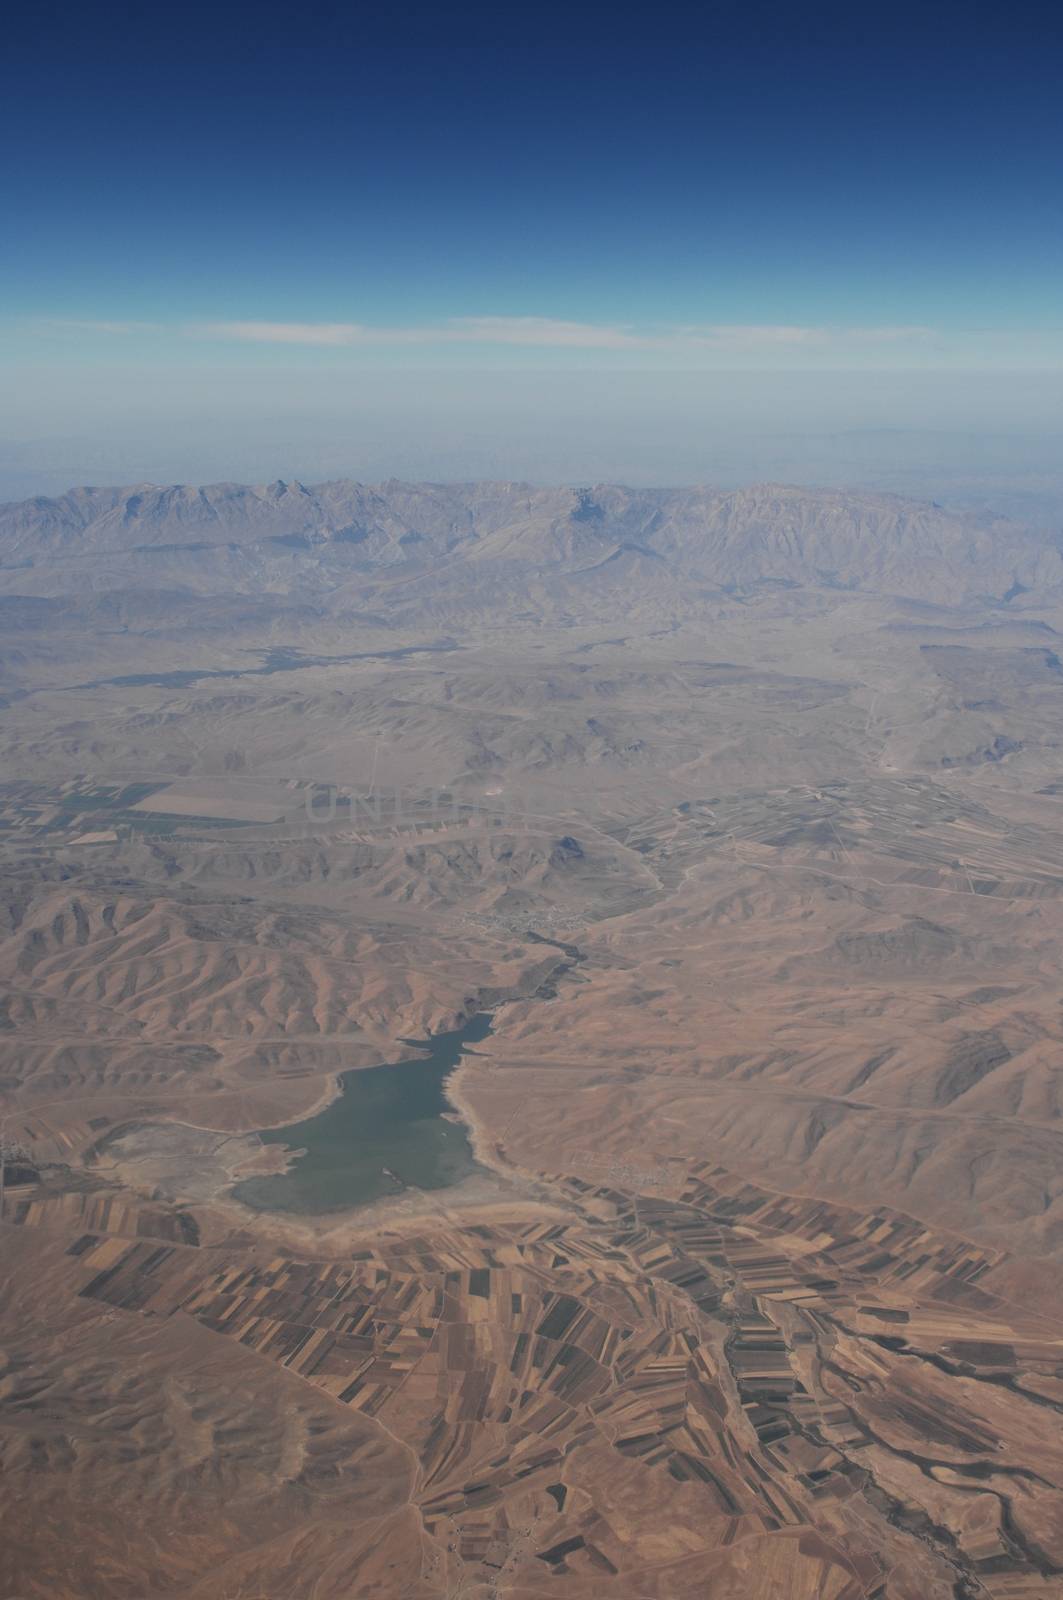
column 332, row 532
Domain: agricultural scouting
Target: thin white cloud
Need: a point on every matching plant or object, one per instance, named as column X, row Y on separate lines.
column 544, row 331
column 541, row 331
column 523, row 332
column 551, row 333
column 317, row 333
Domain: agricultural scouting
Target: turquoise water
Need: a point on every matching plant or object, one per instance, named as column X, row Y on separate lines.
column 385, row 1131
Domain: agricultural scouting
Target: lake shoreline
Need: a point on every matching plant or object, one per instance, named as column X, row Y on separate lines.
column 389, row 1132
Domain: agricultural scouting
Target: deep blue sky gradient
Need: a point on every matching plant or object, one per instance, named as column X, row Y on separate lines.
column 765, row 165
column 884, row 181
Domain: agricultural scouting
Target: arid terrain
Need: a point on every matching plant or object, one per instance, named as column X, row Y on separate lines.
column 741, row 814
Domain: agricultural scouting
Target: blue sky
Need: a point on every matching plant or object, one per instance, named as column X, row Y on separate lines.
column 263, row 199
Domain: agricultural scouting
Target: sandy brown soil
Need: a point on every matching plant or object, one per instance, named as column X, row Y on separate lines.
column 759, row 1291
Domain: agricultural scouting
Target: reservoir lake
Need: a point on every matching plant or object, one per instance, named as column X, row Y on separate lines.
column 390, row 1128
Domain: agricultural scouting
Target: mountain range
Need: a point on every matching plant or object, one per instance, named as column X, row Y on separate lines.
column 286, row 535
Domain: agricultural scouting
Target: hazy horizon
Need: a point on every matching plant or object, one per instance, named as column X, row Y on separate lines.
column 990, row 441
